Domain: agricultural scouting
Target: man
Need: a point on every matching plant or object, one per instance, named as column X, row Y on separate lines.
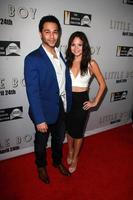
column 48, row 87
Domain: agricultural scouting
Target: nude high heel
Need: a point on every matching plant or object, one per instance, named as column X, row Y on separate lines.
column 73, row 166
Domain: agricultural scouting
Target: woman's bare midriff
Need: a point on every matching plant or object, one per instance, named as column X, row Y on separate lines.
column 79, row 89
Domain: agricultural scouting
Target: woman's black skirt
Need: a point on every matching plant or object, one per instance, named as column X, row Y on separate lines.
column 76, row 118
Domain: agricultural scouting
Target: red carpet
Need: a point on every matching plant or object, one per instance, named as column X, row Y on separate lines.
column 105, row 172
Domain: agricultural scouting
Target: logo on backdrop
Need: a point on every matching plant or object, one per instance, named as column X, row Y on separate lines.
column 118, row 96
column 124, row 51
column 13, row 83
column 11, row 113
column 9, row 48
column 128, row 2
column 7, row 92
column 115, row 117
column 21, row 12
column 95, row 50
column 127, row 34
column 121, row 26
column 7, row 144
column 2, row 83
column 77, row 19
column 16, row 82
column 12, row 148
column 119, row 76
column 5, row 21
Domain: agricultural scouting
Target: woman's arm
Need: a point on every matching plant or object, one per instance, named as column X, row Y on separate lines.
column 95, row 70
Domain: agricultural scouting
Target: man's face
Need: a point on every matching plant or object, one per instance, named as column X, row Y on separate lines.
column 49, row 34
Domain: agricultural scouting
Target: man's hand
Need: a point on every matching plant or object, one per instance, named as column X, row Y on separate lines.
column 43, row 127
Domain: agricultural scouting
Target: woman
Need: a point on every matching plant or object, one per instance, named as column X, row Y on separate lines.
column 82, row 68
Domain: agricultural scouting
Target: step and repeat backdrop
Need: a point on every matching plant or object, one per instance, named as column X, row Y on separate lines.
column 109, row 28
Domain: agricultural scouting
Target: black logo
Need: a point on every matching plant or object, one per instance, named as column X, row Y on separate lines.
column 128, row 2
column 11, row 113
column 9, row 48
column 117, row 96
column 124, row 51
column 77, row 19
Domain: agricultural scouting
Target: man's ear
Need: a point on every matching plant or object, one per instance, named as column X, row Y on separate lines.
column 40, row 34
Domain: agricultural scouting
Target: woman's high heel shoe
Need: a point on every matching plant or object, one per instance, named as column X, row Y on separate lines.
column 73, row 166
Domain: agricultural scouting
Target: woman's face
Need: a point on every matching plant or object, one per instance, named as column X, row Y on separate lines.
column 77, row 46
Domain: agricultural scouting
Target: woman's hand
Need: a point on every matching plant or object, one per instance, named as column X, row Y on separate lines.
column 89, row 104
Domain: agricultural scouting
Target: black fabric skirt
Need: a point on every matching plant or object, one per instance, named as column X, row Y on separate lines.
column 76, row 119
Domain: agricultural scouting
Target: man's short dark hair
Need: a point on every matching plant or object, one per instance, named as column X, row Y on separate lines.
column 49, row 18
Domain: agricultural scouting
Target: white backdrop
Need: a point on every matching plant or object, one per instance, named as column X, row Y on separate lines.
column 109, row 28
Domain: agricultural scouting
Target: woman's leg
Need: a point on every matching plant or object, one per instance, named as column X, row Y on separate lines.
column 70, row 142
column 76, row 151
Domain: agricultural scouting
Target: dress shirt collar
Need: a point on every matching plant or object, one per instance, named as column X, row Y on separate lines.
column 50, row 54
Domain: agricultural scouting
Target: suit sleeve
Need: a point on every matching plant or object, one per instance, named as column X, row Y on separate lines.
column 31, row 75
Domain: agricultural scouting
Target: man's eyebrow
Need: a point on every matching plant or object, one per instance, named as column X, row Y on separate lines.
column 50, row 30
